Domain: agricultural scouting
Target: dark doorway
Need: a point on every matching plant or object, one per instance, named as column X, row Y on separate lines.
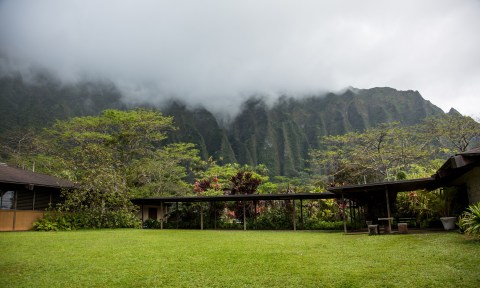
column 152, row 213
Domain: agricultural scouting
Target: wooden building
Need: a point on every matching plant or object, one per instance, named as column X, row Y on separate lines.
column 25, row 195
column 367, row 202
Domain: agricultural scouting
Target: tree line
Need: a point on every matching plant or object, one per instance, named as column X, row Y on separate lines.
column 120, row 155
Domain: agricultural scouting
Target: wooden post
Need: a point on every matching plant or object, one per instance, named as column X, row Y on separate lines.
column 344, row 218
column 388, row 209
column 214, row 215
column 201, row 216
column 178, row 214
column 161, row 218
column 301, row 213
column 294, row 216
column 15, row 196
column 244, row 216
column 255, row 213
column 142, row 216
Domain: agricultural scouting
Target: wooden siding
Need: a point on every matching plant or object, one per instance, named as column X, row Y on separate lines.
column 11, row 220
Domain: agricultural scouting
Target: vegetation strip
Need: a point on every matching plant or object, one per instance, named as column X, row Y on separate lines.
column 186, row 258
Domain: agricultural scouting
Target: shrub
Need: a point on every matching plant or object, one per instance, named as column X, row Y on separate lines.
column 273, row 219
column 66, row 221
column 151, row 224
column 469, row 222
column 323, row 225
column 57, row 221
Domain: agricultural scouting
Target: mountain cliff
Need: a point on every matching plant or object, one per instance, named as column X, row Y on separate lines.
column 277, row 135
column 281, row 135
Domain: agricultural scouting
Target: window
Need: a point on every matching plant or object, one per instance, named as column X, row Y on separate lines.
column 25, row 199
column 7, row 199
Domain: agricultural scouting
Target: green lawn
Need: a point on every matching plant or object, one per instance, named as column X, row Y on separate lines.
column 188, row 258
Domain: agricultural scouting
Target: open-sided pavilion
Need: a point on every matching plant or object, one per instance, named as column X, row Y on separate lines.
column 161, row 202
column 366, row 201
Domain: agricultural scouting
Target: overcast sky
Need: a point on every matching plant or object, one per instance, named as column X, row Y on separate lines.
column 218, row 53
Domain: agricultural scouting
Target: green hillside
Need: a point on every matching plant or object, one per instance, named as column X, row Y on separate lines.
column 279, row 135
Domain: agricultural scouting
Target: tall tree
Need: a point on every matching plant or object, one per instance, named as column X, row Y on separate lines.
column 119, row 155
column 377, row 154
column 453, row 131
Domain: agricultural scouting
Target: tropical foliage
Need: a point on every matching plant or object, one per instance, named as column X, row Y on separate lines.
column 119, row 155
column 469, row 222
column 114, row 157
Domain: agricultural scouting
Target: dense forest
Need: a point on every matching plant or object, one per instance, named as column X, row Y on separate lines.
column 114, row 151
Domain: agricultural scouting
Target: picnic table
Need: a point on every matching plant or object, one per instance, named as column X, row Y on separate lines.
column 386, row 223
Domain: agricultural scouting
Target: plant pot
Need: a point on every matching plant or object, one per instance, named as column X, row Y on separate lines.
column 448, row 222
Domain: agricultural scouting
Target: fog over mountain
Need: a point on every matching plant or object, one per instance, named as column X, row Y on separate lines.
column 218, row 53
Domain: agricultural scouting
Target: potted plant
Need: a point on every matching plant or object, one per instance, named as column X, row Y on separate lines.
column 444, row 206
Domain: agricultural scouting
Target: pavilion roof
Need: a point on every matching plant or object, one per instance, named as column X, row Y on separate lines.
column 250, row 197
column 393, row 186
column 13, row 175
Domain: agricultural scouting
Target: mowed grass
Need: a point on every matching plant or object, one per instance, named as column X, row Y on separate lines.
column 189, row 258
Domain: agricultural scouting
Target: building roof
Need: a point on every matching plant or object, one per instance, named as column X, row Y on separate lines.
column 457, row 165
column 454, row 167
column 250, row 197
column 12, row 175
column 394, row 186
column 471, row 152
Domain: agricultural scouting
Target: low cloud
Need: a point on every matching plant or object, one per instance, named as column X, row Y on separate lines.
column 217, row 53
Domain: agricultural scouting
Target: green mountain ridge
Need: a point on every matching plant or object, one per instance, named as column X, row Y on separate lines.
column 279, row 135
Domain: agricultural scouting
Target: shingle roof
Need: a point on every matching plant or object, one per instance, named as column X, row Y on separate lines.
column 19, row 176
column 471, row 152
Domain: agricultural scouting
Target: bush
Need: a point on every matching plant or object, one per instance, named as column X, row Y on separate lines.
column 56, row 221
column 151, row 224
column 323, row 225
column 273, row 219
column 66, row 221
column 469, row 222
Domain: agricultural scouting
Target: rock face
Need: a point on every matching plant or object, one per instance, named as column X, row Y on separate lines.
column 278, row 136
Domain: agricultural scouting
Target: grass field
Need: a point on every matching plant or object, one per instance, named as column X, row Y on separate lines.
column 187, row 258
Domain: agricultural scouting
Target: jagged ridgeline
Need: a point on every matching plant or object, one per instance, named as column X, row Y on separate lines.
column 281, row 135
column 278, row 136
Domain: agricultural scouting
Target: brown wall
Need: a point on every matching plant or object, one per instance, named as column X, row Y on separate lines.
column 472, row 181
column 18, row 220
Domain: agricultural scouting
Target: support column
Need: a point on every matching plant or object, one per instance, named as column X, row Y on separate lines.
column 214, row 216
column 301, row 213
column 163, row 215
column 350, row 209
column 388, row 209
column 294, row 216
column 255, row 214
column 15, row 196
column 142, row 217
column 344, row 218
column 178, row 214
column 201, row 216
column 244, row 216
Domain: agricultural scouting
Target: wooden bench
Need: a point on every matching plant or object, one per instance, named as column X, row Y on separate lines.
column 412, row 222
column 402, row 228
column 386, row 224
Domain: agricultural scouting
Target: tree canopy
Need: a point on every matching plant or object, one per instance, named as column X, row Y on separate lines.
column 116, row 156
